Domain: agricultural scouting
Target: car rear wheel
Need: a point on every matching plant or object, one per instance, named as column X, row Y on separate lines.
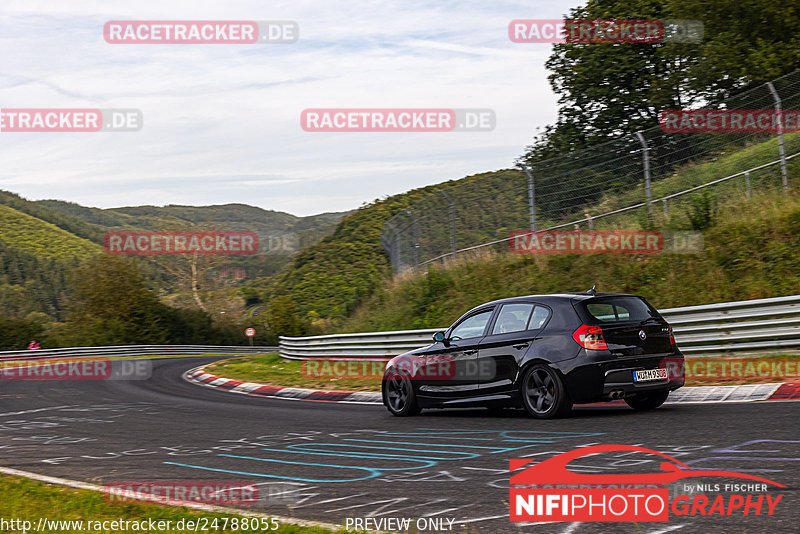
column 544, row 394
column 647, row 401
column 398, row 395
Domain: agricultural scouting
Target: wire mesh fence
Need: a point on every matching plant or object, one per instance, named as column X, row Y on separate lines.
column 630, row 180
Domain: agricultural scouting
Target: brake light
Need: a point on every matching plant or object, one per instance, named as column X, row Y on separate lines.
column 590, row 337
column 671, row 336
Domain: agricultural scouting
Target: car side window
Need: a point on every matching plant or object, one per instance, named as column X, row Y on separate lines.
column 512, row 318
column 538, row 318
column 472, row 326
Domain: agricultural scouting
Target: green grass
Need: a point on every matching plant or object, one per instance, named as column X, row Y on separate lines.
column 35, row 236
column 752, row 250
column 29, row 500
column 692, row 174
column 273, row 370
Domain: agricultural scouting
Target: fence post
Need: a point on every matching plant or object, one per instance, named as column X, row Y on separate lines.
column 747, row 185
column 666, row 209
column 646, row 163
column 415, row 235
column 398, row 261
column 452, row 221
column 531, row 198
column 589, row 219
column 781, row 147
column 390, row 244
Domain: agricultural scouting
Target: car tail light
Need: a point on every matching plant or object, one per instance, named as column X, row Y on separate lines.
column 590, row 337
column 671, row 336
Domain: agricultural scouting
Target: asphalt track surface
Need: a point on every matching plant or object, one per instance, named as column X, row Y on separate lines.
column 327, row 462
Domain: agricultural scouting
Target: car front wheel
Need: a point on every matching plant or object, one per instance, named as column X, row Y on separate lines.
column 544, row 394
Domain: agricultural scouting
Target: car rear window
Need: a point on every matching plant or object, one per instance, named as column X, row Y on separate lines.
column 617, row 309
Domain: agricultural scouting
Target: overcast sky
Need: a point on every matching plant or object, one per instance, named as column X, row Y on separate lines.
column 222, row 122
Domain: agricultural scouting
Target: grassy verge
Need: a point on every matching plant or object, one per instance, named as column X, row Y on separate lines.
column 271, row 369
column 732, row 371
column 751, row 250
column 28, row 500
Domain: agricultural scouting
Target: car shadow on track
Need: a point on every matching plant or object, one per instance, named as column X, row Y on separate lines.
column 579, row 412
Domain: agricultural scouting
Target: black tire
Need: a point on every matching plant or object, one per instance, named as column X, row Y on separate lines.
column 543, row 393
column 647, row 401
column 398, row 395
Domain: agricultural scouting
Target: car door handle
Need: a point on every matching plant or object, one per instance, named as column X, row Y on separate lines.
column 469, row 352
column 521, row 346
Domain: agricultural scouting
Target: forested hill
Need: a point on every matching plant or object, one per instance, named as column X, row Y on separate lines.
column 42, row 242
column 326, row 282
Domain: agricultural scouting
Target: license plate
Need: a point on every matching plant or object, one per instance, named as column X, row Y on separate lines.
column 649, row 374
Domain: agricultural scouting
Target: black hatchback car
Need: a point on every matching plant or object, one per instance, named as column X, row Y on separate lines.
column 543, row 353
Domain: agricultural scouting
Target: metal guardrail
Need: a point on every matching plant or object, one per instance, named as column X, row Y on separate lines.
column 130, row 350
column 369, row 345
column 744, row 326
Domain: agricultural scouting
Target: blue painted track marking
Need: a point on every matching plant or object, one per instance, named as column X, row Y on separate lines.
column 418, row 458
column 437, row 444
column 463, row 455
column 363, row 454
column 372, row 472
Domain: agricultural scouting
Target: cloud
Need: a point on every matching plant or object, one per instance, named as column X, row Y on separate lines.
column 222, row 122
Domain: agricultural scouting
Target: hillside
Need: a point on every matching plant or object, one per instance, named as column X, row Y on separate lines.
column 36, row 236
column 42, row 242
column 35, row 259
column 328, row 280
column 344, row 283
column 752, row 250
column 266, row 223
column 65, row 221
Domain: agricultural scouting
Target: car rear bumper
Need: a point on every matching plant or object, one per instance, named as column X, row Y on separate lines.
column 607, row 379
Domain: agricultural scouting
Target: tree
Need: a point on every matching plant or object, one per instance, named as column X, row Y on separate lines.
column 748, row 43
column 16, row 333
column 113, row 305
column 612, row 89
column 282, row 317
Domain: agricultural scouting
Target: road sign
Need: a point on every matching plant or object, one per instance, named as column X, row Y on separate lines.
column 250, row 332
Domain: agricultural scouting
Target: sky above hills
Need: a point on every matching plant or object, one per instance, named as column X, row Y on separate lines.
column 222, row 122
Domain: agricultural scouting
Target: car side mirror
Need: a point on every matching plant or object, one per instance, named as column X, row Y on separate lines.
column 438, row 337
